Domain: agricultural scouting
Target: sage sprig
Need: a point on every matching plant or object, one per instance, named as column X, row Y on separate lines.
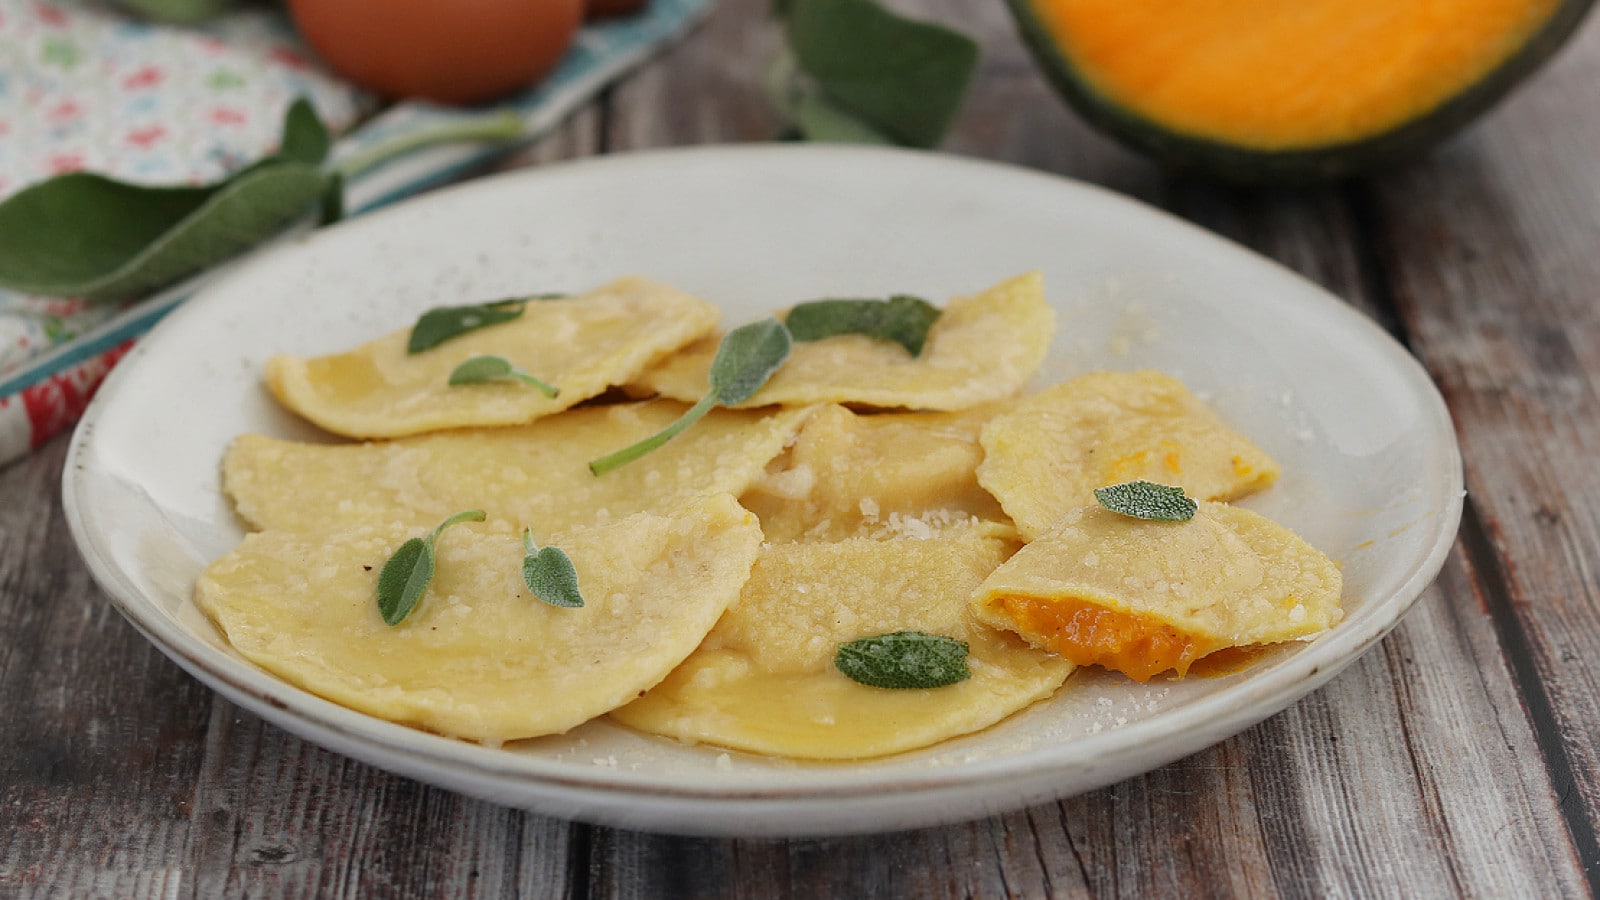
column 902, row 319
column 904, row 660
column 746, row 358
column 485, row 369
column 1146, row 500
column 407, row 574
column 549, row 574
column 852, row 71
column 85, row 235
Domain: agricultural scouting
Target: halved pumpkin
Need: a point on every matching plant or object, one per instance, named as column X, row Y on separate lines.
column 1266, row 90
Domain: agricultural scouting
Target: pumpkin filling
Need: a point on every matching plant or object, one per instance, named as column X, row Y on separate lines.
column 1089, row 634
column 1272, row 75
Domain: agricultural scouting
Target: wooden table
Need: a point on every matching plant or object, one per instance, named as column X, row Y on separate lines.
column 1462, row 756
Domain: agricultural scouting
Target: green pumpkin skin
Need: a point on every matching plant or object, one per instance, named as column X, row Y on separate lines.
column 1249, row 166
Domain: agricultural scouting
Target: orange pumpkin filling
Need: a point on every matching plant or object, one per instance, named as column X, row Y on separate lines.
column 1137, row 646
column 1276, row 75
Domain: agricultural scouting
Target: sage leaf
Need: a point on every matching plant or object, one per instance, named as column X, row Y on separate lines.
column 442, row 323
column 902, row 318
column 779, row 82
column 479, row 369
column 549, row 574
column 485, row 369
column 746, row 358
column 332, row 199
column 901, row 77
column 406, row 575
column 904, row 660
column 1145, row 500
column 86, row 235
column 404, row 579
column 305, row 139
column 822, row 121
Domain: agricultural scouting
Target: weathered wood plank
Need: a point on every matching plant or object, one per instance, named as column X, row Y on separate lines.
column 705, row 90
column 581, row 135
column 1491, row 246
column 275, row 815
column 100, row 736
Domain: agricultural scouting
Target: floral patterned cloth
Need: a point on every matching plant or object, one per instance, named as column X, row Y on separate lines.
column 84, row 87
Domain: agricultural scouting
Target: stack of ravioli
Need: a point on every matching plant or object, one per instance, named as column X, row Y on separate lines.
column 862, row 491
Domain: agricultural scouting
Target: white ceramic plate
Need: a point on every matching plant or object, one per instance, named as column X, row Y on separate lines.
column 1372, row 472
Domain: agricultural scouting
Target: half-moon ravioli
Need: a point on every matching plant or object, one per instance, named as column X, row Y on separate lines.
column 984, row 347
column 581, row 345
column 764, row 680
column 1144, row 597
column 533, row 474
column 480, row 657
column 1048, row 453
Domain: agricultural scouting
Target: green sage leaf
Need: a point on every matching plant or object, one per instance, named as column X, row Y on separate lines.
column 86, row 235
column 549, row 574
column 404, row 579
column 480, row 369
column 406, row 575
column 902, row 77
column 485, row 369
column 904, row 660
column 746, row 358
column 822, row 121
column 902, row 318
column 1144, row 500
column 305, row 139
column 442, row 323
column 332, row 199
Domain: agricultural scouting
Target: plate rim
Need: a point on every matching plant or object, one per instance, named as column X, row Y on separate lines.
column 1203, row 721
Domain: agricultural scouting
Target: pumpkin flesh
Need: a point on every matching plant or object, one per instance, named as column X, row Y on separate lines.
column 1089, row 634
column 1275, row 76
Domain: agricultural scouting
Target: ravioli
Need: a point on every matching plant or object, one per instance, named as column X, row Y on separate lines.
column 984, row 347
column 1144, row 597
column 1051, row 450
column 581, row 345
column 888, row 474
column 534, row 474
column 764, row 679
column 877, row 492
column 480, row 657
